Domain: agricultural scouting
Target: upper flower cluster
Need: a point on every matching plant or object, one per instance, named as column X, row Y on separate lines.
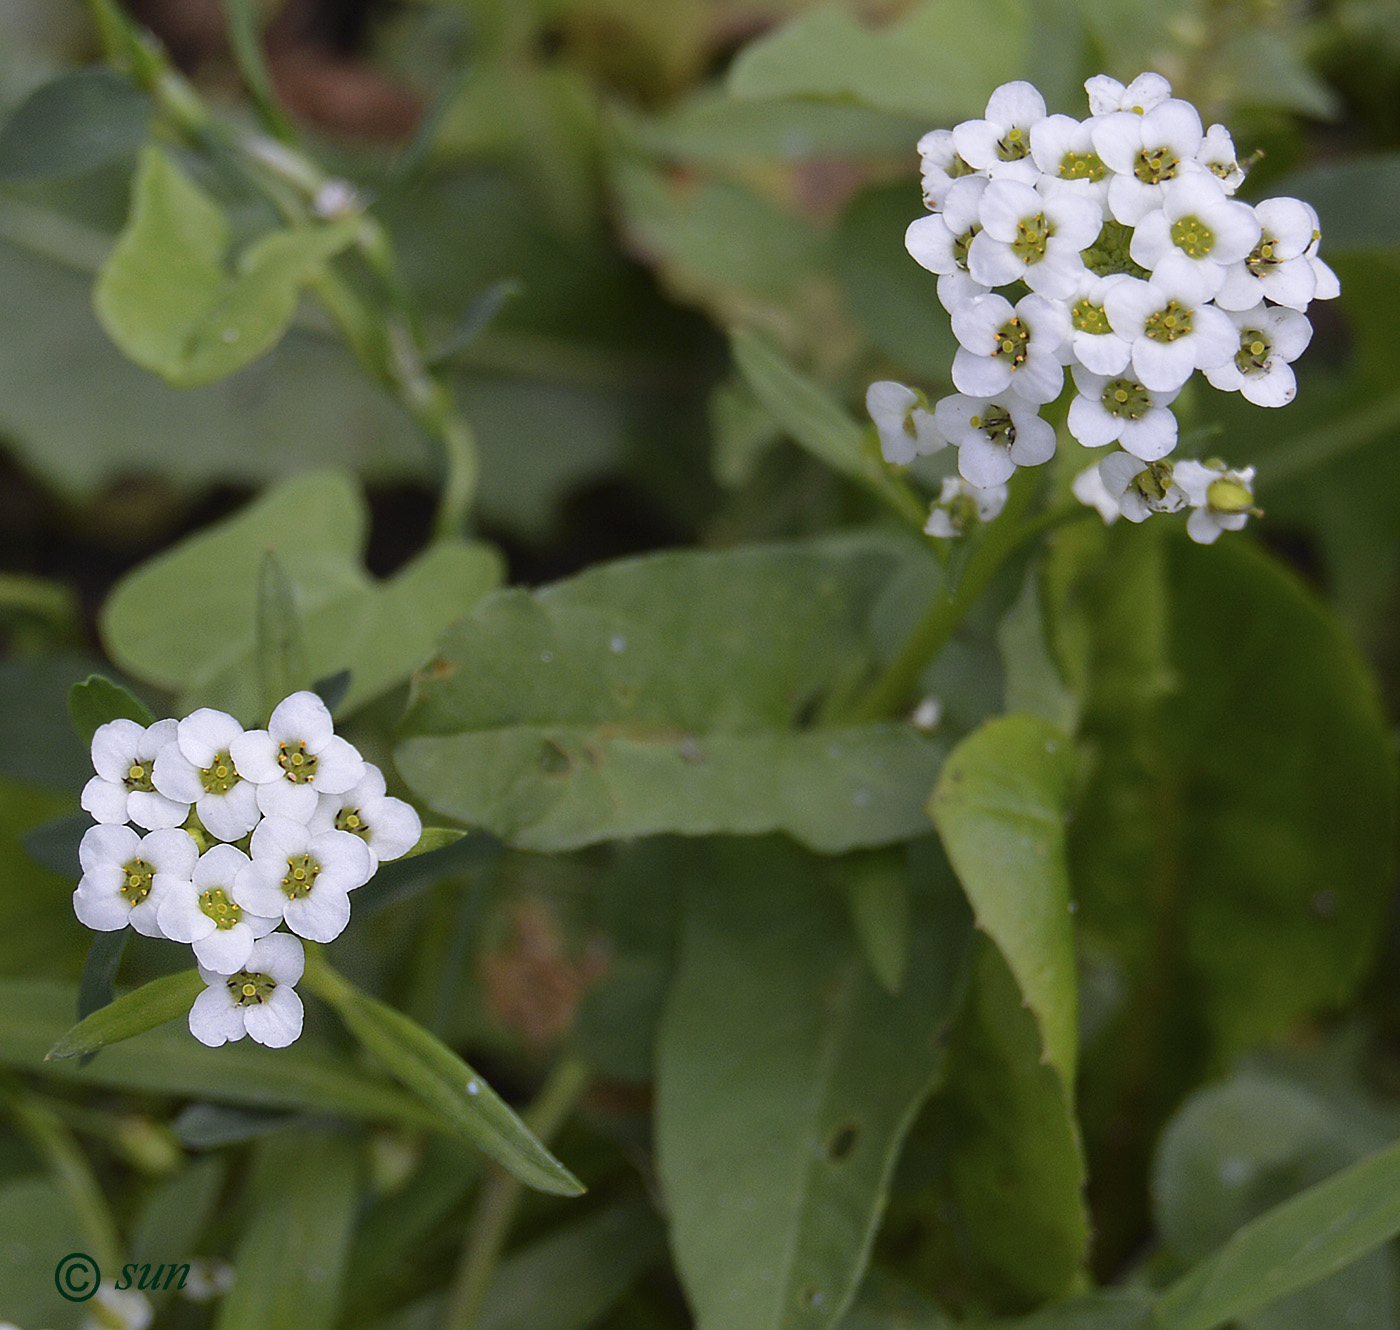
column 244, row 830
column 1139, row 267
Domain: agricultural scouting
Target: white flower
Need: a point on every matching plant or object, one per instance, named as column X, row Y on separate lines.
column 906, row 431
column 296, row 758
column 1270, row 337
column 1221, row 499
column 124, row 756
column 1107, row 95
column 1032, row 236
column 302, row 877
column 1195, row 236
column 1171, row 330
column 1121, row 410
column 259, row 1000
column 1145, row 152
column 113, row 1308
column 1089, row 489
column 198, row 769
column 1093, row 343
column 203, row 911
column 1063, row 148
column 1000, row 144
column 126, row 876
column 1217, row 155
column 1328, row 287
column 1004, row 347
column 994, row 435
column 960, row 506
column 1277, row 268
column 388, row 826
column 1141, row 490
column 940, row 242
column 940, row 166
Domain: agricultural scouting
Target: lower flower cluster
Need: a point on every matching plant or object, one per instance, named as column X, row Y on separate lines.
column 237, row 833
column 1131, row 266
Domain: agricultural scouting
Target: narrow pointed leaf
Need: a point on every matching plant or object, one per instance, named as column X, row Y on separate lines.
column 280, row 635
column 134, row 1013
column 423, row 1064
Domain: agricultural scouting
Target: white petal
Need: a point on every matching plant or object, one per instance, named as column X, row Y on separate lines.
column 1035, row 441
column 319, row 917
column 1104, row 353
column 154, row 811
column 975, row 323
column 339, row 767
column 1005, row 204
column 344, row 860
column 105, row 800
column 1214, row 338
column 254, row 754
column 1276, row 387
column 1130, row 200
column 276, row 1022
column 1016, row 103
column 279, row 838
column 114, row 748
column 1152, row 437
column 301, row 718
column 1105, row 94
column 980, row 376
column 991, row 262
column 1293, row 283
column 1164, row 367
column 104, row 911
column 258, row 888
column 224, row 950
column 233, row 815
column 281, row 956
column 283, row 799
column 929, row 241
column 206, row 733
column 394, row 828
column 1039, row 379
column 170, row 850
column 1202, row 527
column 1090, row 423
column 176, row 777
column 214, row 1019
column 983, row 463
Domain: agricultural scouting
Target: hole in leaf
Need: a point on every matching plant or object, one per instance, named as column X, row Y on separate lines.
column 842, row 1141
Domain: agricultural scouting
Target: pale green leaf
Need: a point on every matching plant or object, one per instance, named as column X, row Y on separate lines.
column 133, row 1013
column 97, row 700
column 73, row 125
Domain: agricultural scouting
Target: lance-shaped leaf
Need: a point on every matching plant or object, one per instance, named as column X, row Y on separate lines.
column 134, row 1013
column 674, row 693
column 787, row 1077
column 167, row 297
column 422, row 1063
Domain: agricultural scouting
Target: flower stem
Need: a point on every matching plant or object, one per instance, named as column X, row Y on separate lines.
column 500, row 1197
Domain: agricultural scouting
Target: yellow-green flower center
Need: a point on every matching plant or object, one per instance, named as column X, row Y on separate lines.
column 216, row 904
column 996, row 425
column 1082, row 166
column 1166, row 325
column 1015, row 145
column 1013, row 341
column 299, row 765
column 1264, row 257
column 1154, row 481
column 219, row 777
column 1125, row 400
column 960, row 244
column 1193, row 237
column 1109, row 253
column 349, row 819
column 1154, row 165
column 301, row 876
column 1032, row 234
column 1253, row 354
column 248, row 988
column 136, row 881
column 138, row 776
column 1088, row 317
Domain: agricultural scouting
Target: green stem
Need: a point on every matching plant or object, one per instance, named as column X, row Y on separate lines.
column 500, row 1197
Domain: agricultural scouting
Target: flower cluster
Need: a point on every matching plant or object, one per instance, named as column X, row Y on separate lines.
column 1138, row 267
column 236, row 832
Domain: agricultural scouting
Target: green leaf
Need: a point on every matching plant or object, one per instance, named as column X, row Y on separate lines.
column 98, row 987
column 166, row 297
column 1000, row 809
column 1295, row 1244
column 786, row 1079
column 37, row 1228
column 134, row 1013
column 280, row 636
column 97, row 700
column 1016, row 1168
column 187, row 619
column 930, row 63
column 877, row 891
column 1357, row 201
column 423, row 1064
column 1034, row 683
column 167, row 1060
column 291, row 1258
column 668, row 693
column 818, row 422
column 434, row 838
column 73, row 125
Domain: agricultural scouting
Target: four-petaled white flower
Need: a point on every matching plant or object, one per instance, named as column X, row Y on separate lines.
column 1277, row 266
column 126, row 877
column 302, row 876
column 1270, row 338
column 1141, row 489
column 1196, row 236
column 940, row 242
column 1217, row 155
column 1220, row 499
column 259, row 999
column 1092, row 341
column 1121, row 410
column 198, row 769
column 1107, row 95
column 297, row 757
column 1010, row 348
column 1063, row 148
column 1172, row 331
column 202, row 910
column 994, row 435
column 388, row 826
column 960, row 506
column 903, row 422
column 1147, row 152
column 124, row 756
column 1000, row 144
column 1033, row 236
column 940, row 166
